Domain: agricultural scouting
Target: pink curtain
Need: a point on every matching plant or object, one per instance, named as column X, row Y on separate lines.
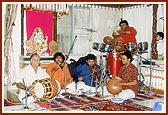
column 40, row 19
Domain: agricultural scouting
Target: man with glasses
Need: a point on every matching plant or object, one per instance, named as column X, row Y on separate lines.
column 129, row 75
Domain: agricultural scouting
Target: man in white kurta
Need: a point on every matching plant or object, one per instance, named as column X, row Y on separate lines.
column 28, row 75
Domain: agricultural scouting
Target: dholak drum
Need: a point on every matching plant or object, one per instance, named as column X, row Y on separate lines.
column 114, row 63
column 131, row 47
column 143, row 46
column 45, row 89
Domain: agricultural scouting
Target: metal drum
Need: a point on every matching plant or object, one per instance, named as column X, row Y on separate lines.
column 96, row 46
column 143, row 46
column 131, row 46
column 105, row 48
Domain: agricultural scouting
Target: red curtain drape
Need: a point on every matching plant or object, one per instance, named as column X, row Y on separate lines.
column 39, row 19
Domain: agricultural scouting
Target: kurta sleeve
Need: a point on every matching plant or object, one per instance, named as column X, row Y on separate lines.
column 76, row 71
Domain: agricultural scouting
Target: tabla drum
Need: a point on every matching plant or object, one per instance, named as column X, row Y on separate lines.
column 114, row 63
column 131, row 46
column 45, row 89
column 143, row 46
column 105, row 48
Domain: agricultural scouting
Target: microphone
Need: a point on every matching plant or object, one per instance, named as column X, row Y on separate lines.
column 76, row 36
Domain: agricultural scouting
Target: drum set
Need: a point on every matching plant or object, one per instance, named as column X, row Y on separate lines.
column 113, row 49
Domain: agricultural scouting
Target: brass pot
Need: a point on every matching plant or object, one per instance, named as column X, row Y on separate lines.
column 114, row 89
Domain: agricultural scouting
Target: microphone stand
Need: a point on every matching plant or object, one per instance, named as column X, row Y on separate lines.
column 26, row 88
column 150, row 81
column 140, row 83
column 73, row 43
column 150, row 86
column 102, row 78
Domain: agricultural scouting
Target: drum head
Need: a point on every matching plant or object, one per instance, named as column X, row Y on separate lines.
column 131, row 47
column 108, row 40
column 39, row 90
column 45, row 89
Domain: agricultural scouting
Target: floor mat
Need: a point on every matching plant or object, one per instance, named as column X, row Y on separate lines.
column 110, row 106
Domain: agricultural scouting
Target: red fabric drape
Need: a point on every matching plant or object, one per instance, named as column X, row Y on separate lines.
column 40, row 19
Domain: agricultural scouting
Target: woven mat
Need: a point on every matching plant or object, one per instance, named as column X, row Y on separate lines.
column 72, row 102
column 110, row 106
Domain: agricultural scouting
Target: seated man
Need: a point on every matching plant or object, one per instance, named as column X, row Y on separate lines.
column 57, row 70
column 28, row 75
column 87, row 74
column 160, row 45
column 129, row 75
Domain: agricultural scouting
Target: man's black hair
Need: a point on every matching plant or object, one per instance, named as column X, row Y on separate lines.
column 59, row 54
column 128, row 55
column 123, row 21
column 91, row 56
column 161, row 34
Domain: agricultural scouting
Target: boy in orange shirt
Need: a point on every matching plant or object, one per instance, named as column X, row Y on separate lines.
column 58, row 68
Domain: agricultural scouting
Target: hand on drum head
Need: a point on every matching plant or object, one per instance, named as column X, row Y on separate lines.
column 107, row 80
column 116, row 83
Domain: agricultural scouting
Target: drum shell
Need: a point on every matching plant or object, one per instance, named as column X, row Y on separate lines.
column 101, row 47
column 105, row 48
column 131, row 46
column 51, row 89
column 96, row 46
column 114, row 63
column 143, row 46
column 114, row 89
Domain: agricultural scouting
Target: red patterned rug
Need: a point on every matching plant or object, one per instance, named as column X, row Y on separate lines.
column 110, row 106
column 72, row 102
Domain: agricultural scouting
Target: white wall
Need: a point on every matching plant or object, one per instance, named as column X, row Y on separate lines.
column 103, row 17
